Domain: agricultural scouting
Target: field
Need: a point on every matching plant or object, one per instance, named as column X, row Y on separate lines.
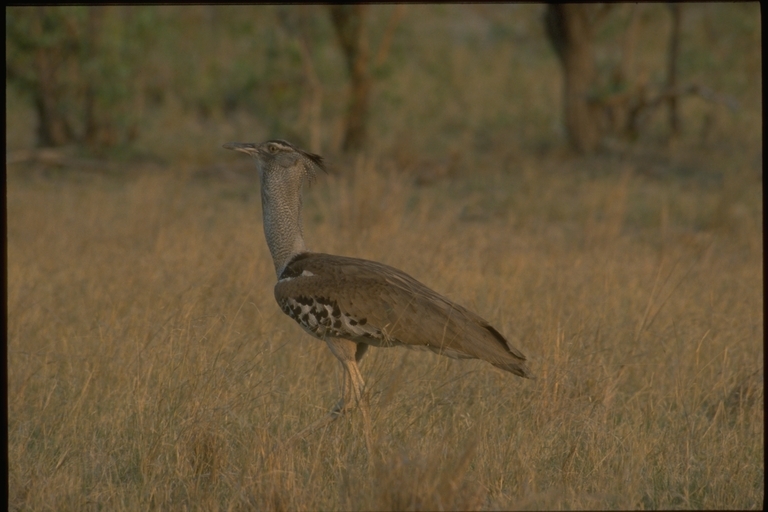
column 149, row 366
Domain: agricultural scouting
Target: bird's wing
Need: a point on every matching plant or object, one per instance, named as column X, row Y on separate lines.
column 375, row 303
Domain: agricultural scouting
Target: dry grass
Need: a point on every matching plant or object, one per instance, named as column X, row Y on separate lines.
column 149, row 367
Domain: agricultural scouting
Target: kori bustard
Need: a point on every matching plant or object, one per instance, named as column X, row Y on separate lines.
column 352, row 303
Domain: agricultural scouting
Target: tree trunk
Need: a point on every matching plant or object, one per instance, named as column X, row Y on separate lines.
column 53, row 128
column 90, row 43
column 349, row 22
column 672, row 57
column 570, row 30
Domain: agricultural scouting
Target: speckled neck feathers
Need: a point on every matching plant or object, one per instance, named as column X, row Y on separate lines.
column 283, row 169
column 281, row 210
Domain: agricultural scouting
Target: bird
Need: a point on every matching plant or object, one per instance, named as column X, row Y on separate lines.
column 351, row 303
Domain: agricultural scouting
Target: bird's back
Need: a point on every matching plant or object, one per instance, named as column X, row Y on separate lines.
column 373, row 303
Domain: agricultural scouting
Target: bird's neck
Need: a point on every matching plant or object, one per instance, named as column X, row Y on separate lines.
column 281, row 209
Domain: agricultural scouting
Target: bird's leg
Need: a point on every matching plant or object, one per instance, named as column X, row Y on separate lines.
column 348, row 353
column 352, row 383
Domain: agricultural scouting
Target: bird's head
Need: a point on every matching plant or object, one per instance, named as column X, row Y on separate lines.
column 279, row 160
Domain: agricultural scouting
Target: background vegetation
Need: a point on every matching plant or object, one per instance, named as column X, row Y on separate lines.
column 149, row 367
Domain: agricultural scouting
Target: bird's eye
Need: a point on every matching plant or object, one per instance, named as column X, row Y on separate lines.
column 272, row 148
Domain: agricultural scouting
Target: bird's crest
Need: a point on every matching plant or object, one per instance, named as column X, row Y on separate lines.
column 263, row 151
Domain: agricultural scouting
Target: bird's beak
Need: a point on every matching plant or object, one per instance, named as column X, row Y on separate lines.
column 248, row 148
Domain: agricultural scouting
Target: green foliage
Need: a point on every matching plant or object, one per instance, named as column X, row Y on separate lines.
column 165, row 79
column 76, row 65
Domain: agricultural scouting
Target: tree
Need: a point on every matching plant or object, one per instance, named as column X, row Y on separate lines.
column 592, row 112
column 349, row 22
column 674, row 51
column 570, row 28
column 77, row 85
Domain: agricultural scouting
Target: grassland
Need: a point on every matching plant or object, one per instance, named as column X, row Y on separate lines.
column 150, row 368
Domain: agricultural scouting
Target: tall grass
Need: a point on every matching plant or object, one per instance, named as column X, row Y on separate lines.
column 149, row 367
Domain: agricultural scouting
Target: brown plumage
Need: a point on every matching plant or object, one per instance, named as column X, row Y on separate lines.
column 386, row 307
column 352, row 303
